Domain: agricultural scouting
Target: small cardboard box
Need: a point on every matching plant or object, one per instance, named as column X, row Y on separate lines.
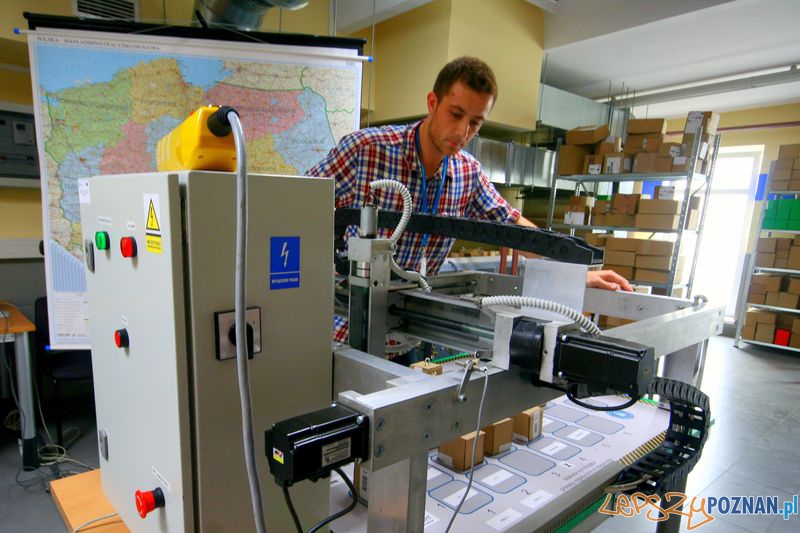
column 457, row 453
column 622, row 244
column 596, row 239
column 659, row 207
column 784, row 320
column 664, row 164
column 760, row 316
column 498, row 436
column 771, row 298
column 794, row 340
column 780, row 263
column 789, row 151
column 765, row 260
column 749, row 332
column 613, row 163
column 599, row 219
column 784, row 164
column 796, row 165
column 669, row 149
column 767, row 244
column 770, row 282
column 587, row 134
column 656, row 276
column 644, row 162
column 794, row 258
column 657, row 262
column 665, row 222
column 579, row 203
column 794, row 184
column 647, row 125
column 783, row 243
column 570, row 159
column 620, row 221
column 601, row 207
column 757, row 289
column 781, row 174
column 680, row 163
column 608, row 146
column 664, row 192
column 651, row 247
column 765, row 332
column 781, row 254
column 794, row 285
column 527, row 425
column 618, row 257
column 575, row 218
column 795, row 325
column 708, row 120
column 779, row 185
column 593, row 164
column 624, row 271
column 625, row 204
column 788, row 300
column 758, row 299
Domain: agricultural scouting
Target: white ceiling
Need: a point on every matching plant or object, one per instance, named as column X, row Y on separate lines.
column 646, row 45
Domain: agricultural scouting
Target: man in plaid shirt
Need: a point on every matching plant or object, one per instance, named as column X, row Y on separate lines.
column 427, row 158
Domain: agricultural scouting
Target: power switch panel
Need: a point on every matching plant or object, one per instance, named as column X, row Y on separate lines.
column 224, row 332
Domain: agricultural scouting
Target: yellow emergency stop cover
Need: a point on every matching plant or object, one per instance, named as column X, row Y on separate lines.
column 192, row 146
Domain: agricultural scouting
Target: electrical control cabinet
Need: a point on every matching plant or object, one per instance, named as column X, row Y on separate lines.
column 160, row 263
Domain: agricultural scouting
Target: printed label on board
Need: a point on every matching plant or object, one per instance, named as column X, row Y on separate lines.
column 152, row 226
column 106, row 221
column 501, row 521
column 284, row 263
column 84, row 196
column 131, row 225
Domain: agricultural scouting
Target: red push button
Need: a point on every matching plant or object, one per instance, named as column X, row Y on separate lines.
column 127, row 246
column 121, row 338
column 148, row 501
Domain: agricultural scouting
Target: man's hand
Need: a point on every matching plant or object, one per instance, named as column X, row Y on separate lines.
column 608, row 280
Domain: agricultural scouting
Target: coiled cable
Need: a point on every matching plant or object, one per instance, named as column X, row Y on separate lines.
column 548, row 305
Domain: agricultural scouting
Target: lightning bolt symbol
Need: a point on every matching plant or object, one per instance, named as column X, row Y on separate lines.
column 285, row 254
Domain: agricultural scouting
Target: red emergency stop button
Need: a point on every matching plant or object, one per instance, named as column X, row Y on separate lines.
column 121, row 338
column 127, row 246
column 149, row 501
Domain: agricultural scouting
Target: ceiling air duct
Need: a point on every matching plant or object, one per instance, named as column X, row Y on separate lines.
column 240, row 14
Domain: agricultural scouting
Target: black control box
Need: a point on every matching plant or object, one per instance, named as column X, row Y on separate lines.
column 309, row 446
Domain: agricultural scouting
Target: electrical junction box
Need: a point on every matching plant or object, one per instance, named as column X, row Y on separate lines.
column 167, row 408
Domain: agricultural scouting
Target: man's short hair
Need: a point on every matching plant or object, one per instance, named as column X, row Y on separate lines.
column 473, row 72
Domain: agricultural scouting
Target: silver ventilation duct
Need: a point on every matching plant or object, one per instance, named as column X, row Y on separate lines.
column 240, row 14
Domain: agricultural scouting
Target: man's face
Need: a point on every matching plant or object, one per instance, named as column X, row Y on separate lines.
column 457, row 117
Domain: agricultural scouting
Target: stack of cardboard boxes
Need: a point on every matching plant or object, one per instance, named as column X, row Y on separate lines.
column 778, row 253
column 590, row 150
column 643, row 260
column 633, row 211
column 647, row 143
column 579, row 210
column 785, row 173
column 782, row 329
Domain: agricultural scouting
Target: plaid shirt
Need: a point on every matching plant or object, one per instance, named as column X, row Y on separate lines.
column 390, row 152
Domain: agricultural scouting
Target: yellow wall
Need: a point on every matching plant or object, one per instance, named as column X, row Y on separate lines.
column 20, row 214
column 509, row 36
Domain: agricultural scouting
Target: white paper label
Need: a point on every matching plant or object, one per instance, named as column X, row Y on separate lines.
column 553, row 448
column 106, row 221
column 504, row 519
column 497, row 477
column 578, row 434
column 161, row 479
column 131, row 225
column 674, row 151
column 537, row 499
column 335, row 451
column 680, row 160
column 429, row 520
column 454, row 499
column 595, row 169
column 84, row 196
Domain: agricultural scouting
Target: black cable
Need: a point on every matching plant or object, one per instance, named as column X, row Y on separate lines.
column 344, row 511
column 290, row 505
column 571, row 397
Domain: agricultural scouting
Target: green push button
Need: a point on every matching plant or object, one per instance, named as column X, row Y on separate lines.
column 101, row 240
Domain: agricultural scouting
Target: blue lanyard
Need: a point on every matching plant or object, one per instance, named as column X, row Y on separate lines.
column 423, row 186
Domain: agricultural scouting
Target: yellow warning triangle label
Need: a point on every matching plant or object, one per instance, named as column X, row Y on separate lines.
column 152, row 219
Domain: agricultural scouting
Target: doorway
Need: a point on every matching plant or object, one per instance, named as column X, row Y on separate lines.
column 727, row 226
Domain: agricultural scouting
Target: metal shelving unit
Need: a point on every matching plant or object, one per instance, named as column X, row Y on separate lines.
column 691, row 177
column 752, row 269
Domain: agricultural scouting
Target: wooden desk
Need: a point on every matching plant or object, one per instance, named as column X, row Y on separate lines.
column 80, row 498
column 15, row 327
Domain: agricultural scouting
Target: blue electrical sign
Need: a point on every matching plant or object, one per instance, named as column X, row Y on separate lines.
column 284, row 263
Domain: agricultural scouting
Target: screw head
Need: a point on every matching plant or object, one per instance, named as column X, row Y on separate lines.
column 429, row 406
column 426, row 436
column 378, row 450
column 381, row 423
column 360, row 419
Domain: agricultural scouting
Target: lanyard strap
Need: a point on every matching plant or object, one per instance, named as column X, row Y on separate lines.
column 423, row 187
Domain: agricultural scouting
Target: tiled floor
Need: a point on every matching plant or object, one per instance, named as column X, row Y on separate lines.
column 754, row 448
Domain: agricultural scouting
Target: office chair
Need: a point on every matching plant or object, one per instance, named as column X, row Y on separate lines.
column 58, row 365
